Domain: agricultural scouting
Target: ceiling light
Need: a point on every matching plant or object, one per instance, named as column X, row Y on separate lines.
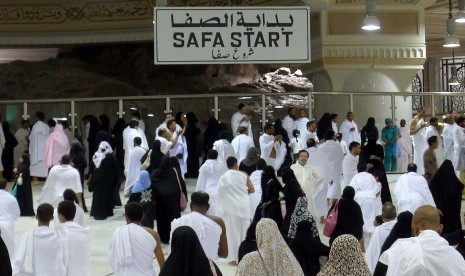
column 244, row 98
column 133, row 108
column 279, row 106
column 371, row 22
column 150, row 115
column 453, row 79
column 460, row 16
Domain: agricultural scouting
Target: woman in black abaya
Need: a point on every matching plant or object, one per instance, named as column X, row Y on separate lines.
column 212, row 134
column 270, row 206
column 166, row 194
column 24, row 191
column 117, row 134
column 373, row 154
column 192, row 139
column 79, row 161
column 369, row 129
column 324, row 124
column 249, row 164
column 446, row 189
column 8, row 152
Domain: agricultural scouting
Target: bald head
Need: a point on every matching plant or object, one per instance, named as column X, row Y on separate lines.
column 389, row 212
column 426, row 217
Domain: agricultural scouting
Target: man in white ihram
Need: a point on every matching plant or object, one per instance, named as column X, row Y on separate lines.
column 406, row 147
column 350, row 161
column 459, row 139
column 240, row 118
column 380, row 234
column 427, row 253
column 290, row 121
column 241, row 144
column 224, row 148
column 349, row 130
column 434, row 129
column 60, row 178
column 9, row 213
column 417, row 131
column 308, row 177
column 129, row 133
column 273, row 149
column 134, row 165
column 448, row 135
column 37, row 141
column 412, row 191
column 232, row 201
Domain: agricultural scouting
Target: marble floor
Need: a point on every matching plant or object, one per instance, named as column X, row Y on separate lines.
column 102, row 232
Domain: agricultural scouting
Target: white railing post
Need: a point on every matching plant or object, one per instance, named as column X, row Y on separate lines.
column 215, row 107
column 310, row 105
column 72, row 116
column 120, row 109
column 263, row 112
column 168, row 105
column 25, row 116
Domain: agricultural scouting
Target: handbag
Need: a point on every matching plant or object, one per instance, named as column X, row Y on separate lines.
column 182, row 196
column 331, row 221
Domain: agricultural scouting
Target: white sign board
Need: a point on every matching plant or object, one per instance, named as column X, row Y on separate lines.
column 211, row 35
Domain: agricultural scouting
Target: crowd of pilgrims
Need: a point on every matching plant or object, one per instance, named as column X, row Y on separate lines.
column 258, row 206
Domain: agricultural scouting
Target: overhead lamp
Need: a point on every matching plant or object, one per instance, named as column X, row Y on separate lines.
column 133, row 108
column 371, row 22
column 278, row 106
column 453, row 81
column 460, row 15
column 244, row 98
column 150, row 115
column 451, row 41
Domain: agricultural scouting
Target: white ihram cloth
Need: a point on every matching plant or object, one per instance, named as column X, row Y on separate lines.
column 347, row 135
column 236, row 123
column 9, row 213
column 432, row 131
column 165, row 145
column 163, row 125
column 427, row 254
column 304, row 136
column 180, row 149
column 224, row 149
column 366, row 188
column 133, row 168
column 412, row 191
column 256, row 197
column 289, row 125
column 376, row 242
column 419, row 145
column 207, row 230
column 309, row 178
column 406, row 149
column 349, row 167
column 233, row 207
column 296, row 145
column 301, row 124
column 37, row 142
column 41, row 251
column 61, row 177
column 459, row 142
column 330, row 156
column 79, row 218
column 448, row 137
column 78, row 249
column 128, row 144
column 267, row 144
column 241, row 144
column 21, row 136
column 131, row 251
column 209, row 175
column 334, row 127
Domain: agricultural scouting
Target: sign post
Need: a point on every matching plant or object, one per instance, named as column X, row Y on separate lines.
column 210, row 35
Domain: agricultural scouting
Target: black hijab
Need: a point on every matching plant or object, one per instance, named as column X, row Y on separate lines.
column 446, row 189
column 187, row 257
column 324, row 124
column 119, row 127
column 267, row 175
column 5, row 265
column 251, row 157
column 250, row 242
column 401, row 230
column 156, row 155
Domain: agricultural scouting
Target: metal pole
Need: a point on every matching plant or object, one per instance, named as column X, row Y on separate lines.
column 310, row 105
column 263, row 112
column 215, row 107
column 433, row 111
column 120, row 109
column 25, row 116
column 72, row 115
column 168, row 105
column 393, row 108
column 351, row 102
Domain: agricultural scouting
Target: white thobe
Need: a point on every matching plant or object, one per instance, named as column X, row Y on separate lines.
column 426, row 254
column 344, row 147
column 41, row 251
column 79, row 217
column 78, row 249
column 289, row 124
column 459, row 142
column 301, row 124
column 163, row 125
column 406, row 147
column 9, row 213
column 21, row 136
column 309, row 178
column 236, row 123
column 131, row 251
column 224, row 149
column 376, row 242
column 412, row 191
column 419, row 146
column 165, row 145
column 133, row 168
column 349, row 167
column 209, row 175
column 304, row 136
column 180, row 151
column 256, row 197
column 330, row 157
column 61, row 177
column 448, row 135
column 267, row 144
column 241, row 144
column 432, row 131
column 37, row 141
column 366, row 188
column 128, row 144
column 233, row 207
column 334, row 127
column 296, row 145
column 350, row 136
column 207, row 230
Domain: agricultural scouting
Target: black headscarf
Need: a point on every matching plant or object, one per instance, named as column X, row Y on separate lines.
column 280, row 130
column 292, row 190
column 250, row 242
column 446, row 189
column 105, row 123
column 212, row 133
column 402, row 229
column 156, row 156
column 119, row 127
column 187, row 257
column 324, row 124
column 369, row 130
column 251, row 157
column 5, row 265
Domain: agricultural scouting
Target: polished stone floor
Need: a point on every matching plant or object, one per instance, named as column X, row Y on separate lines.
column 102, row 232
